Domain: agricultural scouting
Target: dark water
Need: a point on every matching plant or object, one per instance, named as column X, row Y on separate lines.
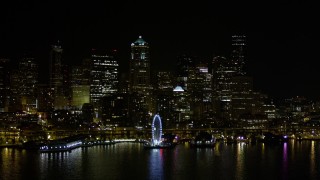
column 292, row 160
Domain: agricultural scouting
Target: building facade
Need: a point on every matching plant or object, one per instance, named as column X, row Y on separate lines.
column 141, row 95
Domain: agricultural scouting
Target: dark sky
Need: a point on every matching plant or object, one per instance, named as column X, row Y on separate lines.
column 282, row 36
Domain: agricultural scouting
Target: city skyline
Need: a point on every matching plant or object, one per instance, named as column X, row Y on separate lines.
column 281, row 49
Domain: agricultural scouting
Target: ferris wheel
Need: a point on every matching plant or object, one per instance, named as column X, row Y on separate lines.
column 156, row 130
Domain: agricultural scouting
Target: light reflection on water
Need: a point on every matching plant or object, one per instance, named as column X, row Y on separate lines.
column 156, row 164
column 312, row 158
column 240, row 160
column 290, row 160
column 285, row 161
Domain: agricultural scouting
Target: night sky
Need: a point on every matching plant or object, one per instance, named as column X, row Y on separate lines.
column 281, row 37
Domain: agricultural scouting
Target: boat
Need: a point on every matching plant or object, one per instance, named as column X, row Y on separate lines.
column 203, row 140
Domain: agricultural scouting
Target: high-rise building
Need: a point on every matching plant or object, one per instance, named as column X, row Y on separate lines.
column 164, row 98
column 200, row 92
column 242, row 100
column 4, row 84
column 181, row 107
column 238, row 53
column 66, row 84
column 140, row 67
column 223, row 71
column 28, row 83
column 104, row 77
column 23, row 86
column 184, row 64
column 28, row 73
column 56, row 77
column 14, row 97
column 141, row 97
column 80, row 88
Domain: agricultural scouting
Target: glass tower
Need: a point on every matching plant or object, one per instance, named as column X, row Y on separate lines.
column 104, row 77
column 139, row 66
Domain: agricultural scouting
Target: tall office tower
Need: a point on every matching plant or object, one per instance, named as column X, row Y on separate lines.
column 242, row 96
column 181, row 107
column 86, row 70
column 104, row 77
column 223, row 71
column 14, row 97
column 164, row 98
column 28, row 81
column 238, row 53
column 140, row 67
column 66, row 84
column 4, row 84
column 56, row 77
column 141, row 103
column 28, row 72
column 200, row 93
column 80, row 88
column 184, row 64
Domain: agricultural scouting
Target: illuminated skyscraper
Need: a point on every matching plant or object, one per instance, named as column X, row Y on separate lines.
column 80, row 88
column 181, row 107
column 56, row 77
column 28, row 82
column 164, row 98
column 184, row 64
column 238, row 53
column 140, row 66
column 28, row 73
column 23, row 86
column 141, row 102
column 223, row 71
column 104, row 77
column 200, row 92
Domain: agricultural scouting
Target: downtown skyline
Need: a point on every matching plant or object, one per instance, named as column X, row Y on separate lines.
column 280, row 53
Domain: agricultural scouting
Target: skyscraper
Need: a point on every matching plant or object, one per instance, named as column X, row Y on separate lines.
column 200, row 92
column 28, row 73
column 28, row 82
column 104, row 77
column 224, row 70
column 164, row 98
column 238, row 53
column 184, row 64
column 141, row 102
column 56, row 77
column 80, row 88
column 140, row 66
